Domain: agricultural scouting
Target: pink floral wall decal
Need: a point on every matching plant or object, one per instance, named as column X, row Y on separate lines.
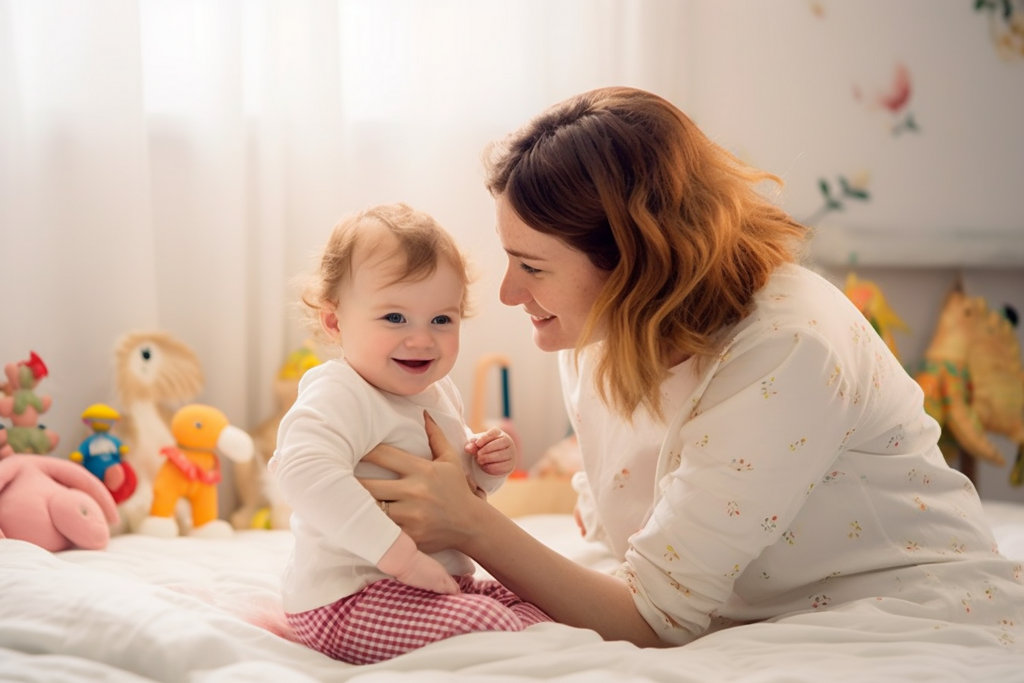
column 893, row 98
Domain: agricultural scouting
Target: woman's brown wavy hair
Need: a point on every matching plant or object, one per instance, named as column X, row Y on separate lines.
column 625, row 177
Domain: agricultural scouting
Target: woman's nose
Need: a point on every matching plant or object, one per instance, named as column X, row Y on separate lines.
column 510, row 293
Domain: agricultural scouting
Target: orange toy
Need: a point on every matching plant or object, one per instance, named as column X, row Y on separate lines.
column 972, row 378
column 192, row 470
column 867, row 296
column 156, row 374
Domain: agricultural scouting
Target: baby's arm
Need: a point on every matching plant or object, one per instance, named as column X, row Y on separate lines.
column 314, row 467
column 494, row 451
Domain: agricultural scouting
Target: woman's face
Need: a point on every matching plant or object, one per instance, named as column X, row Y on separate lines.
column 555, row 284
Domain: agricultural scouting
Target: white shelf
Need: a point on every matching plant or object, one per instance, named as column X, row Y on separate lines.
column 874, row 247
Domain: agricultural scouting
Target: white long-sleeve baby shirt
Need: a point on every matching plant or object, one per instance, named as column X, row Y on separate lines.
column 340, row 531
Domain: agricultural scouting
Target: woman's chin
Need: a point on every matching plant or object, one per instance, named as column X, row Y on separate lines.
column 548, row 342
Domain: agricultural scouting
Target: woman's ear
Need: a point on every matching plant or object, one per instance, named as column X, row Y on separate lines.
column 329, row 323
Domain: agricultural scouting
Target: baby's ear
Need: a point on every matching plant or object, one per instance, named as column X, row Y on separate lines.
column 329, row 322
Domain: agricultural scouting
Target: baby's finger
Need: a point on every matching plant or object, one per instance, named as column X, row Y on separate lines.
column 493, row 446
column 492, row 457
column 491, row 434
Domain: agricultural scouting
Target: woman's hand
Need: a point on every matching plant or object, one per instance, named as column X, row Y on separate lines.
column 431, row 500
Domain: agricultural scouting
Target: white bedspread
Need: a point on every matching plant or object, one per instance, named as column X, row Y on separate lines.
column 191, row 609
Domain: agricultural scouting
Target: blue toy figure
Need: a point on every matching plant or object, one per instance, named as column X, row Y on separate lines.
column 101, row 452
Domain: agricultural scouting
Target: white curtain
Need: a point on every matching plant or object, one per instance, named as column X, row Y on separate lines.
column 172, row 164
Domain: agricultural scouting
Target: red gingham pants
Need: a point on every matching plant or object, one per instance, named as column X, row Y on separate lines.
column 389, row 618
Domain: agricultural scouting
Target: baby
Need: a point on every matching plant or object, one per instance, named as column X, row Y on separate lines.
column 391, row 292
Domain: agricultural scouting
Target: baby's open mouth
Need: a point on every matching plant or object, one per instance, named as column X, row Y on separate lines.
column 414, row 364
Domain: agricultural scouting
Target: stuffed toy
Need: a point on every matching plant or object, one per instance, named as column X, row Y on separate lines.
column 871, row 302
column 972, row 378
column 101, row 452
column 261, row 505
column 23, row 406
column 156, row 374
column 191, row 471
column 53, row 503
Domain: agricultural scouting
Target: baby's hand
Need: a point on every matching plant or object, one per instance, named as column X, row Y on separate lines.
column 494, row 451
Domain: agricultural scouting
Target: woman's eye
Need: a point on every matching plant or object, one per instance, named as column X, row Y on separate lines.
column 441, row 320
column 394, row 317
column 529, row 269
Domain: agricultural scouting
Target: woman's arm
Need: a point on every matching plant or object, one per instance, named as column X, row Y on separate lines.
column 432, row 503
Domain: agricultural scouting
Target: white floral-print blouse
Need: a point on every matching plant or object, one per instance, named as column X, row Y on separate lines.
column 798, row 471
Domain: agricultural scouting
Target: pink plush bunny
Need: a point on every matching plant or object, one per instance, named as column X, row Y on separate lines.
column 53, row 503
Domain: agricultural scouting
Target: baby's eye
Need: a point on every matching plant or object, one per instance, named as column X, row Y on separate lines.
column 441, row 320
column 529, row 269
column 393, row 318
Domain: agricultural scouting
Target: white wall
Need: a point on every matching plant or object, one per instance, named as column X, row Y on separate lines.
column 172, row 165
column 792, row 87
column 118, row 200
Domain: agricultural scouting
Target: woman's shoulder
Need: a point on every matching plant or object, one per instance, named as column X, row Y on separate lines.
column 795, row 303
column 794, row 286
column 796, row 297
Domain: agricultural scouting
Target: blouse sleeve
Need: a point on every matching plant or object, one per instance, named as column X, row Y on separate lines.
column 587, row 509
column 771, row 420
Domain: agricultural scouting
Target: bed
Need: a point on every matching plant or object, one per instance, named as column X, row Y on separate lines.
column 191, row 609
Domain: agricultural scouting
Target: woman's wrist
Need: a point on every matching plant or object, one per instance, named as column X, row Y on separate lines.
column 478, row 532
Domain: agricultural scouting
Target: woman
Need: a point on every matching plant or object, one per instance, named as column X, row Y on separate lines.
column 751, row 448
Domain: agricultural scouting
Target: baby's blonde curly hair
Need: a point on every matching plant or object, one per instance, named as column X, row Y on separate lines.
column 412, row 240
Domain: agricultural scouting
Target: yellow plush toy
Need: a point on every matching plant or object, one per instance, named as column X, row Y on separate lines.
column 869, row 300
column 157, row 374
column 972, row 378
column 192, row 470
